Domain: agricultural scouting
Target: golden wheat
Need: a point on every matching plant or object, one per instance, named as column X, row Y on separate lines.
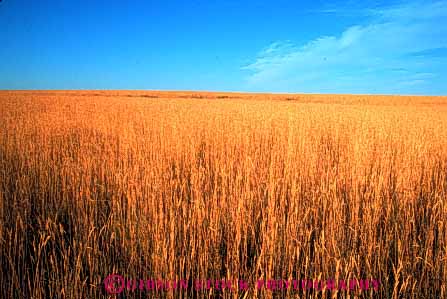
column 222, row 186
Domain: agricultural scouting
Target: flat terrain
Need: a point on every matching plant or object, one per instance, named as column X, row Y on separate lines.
column 194, row 185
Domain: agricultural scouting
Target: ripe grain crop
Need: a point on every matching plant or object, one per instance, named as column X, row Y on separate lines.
column 224, row 186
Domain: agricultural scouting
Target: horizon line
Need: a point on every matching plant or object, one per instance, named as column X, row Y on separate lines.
column 217, row 92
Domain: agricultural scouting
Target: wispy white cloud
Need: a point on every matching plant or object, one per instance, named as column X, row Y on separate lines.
column 414, row 10
column 377, row 57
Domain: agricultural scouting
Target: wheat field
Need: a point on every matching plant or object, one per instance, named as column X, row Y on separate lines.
column 222, row 186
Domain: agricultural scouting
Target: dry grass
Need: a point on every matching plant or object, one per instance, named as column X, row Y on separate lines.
column 181, row 186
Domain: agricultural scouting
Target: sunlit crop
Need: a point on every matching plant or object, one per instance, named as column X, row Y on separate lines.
column 223, row 186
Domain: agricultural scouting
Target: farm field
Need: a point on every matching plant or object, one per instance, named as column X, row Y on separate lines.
column 222, row 186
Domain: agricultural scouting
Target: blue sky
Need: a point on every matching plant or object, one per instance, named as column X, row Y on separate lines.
column 372, row 47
